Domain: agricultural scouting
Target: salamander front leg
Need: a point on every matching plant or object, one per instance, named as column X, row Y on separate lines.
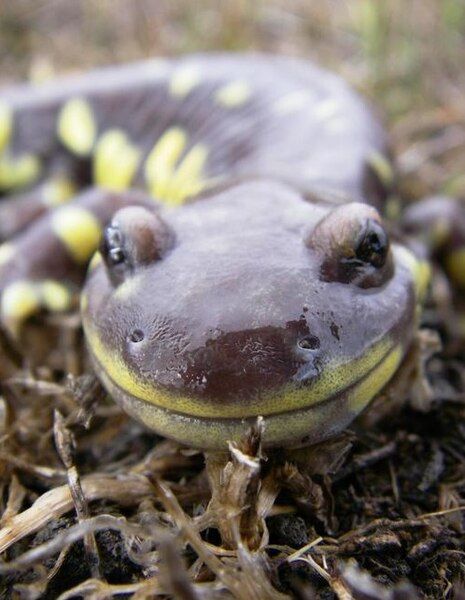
column 43, row 267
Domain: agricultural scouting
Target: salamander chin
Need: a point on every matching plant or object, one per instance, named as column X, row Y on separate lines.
column 311, row 422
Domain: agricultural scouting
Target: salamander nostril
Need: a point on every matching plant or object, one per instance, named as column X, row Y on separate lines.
column 137, row 336
column 309, row 342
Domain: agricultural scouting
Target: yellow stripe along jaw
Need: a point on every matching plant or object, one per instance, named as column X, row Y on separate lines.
column 333, row 380
column 312, row 423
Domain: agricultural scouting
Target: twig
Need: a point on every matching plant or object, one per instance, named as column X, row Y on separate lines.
column 65, row 446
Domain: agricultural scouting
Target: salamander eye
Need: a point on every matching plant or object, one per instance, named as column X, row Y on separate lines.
column 373, row 246
column 135, row 237
column 112, row 245
column 353, row 245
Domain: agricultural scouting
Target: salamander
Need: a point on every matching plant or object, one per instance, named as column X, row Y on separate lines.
column 227, row 209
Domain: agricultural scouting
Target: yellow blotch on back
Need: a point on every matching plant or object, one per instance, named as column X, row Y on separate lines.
column 6, row 124
column 57, row 190
column 55, row 296
column 170, row 179
column 18, row 172
column 7, row 251
column 79, row 230
column 382, row 167
column 115, row 160
column 184, row 80
column 455, row 265
column 420, row 270
column 187, row 180
column 23, row 299
column 19, row 301
column 233, row 94
column 292, row 102
column 77, row 129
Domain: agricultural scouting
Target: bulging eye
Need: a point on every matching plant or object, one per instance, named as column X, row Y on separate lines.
column 353, row 246
column 112, row 245
column 373, row 247
column 135, row 237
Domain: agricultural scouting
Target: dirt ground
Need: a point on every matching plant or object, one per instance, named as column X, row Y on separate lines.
column 95, row 506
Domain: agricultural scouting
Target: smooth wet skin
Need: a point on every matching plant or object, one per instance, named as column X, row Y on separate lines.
column 243, row 269
column 239, row 316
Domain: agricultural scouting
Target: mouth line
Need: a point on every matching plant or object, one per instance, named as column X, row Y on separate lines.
column 294, row 428
column 332, row 383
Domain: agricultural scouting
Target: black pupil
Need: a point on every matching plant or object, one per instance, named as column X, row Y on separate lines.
column 374, row 245
column 113, row 245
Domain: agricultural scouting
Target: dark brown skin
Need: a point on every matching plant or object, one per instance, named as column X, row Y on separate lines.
column 274, row 291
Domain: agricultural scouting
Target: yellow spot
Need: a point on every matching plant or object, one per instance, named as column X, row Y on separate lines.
column 333, row 380
column 76, row 126
column 440, row 232
column 95, row 261
column 187, row 179
column 7, row 250
column 461, row 322
column 57, row 191
column 455, row 265
column 382, row 167
column 326, row 109
column 422, row 279
column 373, row 383
column 6, row 124
column 18, row 172
column 41, row 71
column 84, row 302
column 79, row 230
column 292, row 102
column 393, row 208
column 184, row 80
column 55, row 296
column 233, row 94
column 161, row 162
column 20, row 300
column 115, row 160
column 338, row 124
column 420, row 269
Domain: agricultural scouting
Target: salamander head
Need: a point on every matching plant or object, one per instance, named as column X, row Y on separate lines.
column 252, row 302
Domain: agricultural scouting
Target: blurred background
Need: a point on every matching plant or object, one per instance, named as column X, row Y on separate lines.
column 407, row 57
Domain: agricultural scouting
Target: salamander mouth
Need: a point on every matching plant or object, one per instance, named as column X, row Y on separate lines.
column 297, row 423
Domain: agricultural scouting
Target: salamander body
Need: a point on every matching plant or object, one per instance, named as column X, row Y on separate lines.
column 241, row 267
